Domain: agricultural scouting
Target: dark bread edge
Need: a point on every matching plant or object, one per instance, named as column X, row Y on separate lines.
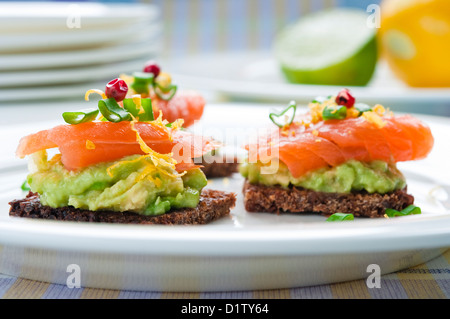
column 212, row 206
column 276, row 199
column 223, row 167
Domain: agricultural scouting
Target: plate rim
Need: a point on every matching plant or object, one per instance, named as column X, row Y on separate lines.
column 66, row 40
column 277, row 90
column 160, row 240
column 66, row 59
column 71, row 75
column 139, row 10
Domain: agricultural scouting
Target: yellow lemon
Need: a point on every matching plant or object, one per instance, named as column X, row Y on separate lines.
column 415, row 40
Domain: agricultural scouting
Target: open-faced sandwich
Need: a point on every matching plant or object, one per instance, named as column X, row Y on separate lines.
column 118, row 163
column 340, row 157
column 177, row 104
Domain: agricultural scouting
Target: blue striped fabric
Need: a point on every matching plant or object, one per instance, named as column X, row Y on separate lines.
column 427, row 281
column 204, row 26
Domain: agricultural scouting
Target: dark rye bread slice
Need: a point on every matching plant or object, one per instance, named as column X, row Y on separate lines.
column 219, row 166
column 276, row 199
column 212, row 206
column 216, row 170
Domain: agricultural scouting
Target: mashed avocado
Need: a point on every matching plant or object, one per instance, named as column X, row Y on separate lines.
column 374, row 177
column 131, row 184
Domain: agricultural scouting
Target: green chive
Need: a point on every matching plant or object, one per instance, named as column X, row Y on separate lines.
column 144, row 76
column 165, row 93
column 319, row 99
column 277, row 119
column 112, row 111
column 146, row 103
column 141, row 82
column 140, row 87
column 331, row 113
column 148, row 110
column 130, row 106
column 410, row 210
column 80, row 116
column 338, row 217
column 25, row 187
column 361, row 107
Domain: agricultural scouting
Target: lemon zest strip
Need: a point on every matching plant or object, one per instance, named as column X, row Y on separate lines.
column 89, row 92
column 161, row 161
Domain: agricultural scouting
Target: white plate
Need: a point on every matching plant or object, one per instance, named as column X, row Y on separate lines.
column 256, row 76
column 76, row 38
column 71, row 75
column 31, row 95
column 244, row 252
column 32, row 16
column 83, row 79
column 114, row 53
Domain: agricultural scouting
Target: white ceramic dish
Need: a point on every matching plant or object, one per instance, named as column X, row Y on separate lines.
column 80, row 58
column 77, row 72
column 244, row 252
column 75, row 38
column 71, row 75
column 255, row 76
column 10, row 96
column 32, row 16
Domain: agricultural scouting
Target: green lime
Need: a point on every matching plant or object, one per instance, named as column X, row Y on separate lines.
column 333, row 47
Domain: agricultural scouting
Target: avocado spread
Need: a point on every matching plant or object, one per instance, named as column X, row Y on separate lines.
column 130, row 184
column 374, row 177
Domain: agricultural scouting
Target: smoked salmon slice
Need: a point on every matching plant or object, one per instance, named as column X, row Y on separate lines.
column 91, row 143
column 333, row 142
column 186, row 105
column 419, row 134
column 358, row 138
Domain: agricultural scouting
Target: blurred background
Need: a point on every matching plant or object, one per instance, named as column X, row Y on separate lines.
column 54, row 51
column 204, row 26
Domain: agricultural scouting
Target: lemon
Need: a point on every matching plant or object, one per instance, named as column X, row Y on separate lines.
column 415, row 40
column 333, row 47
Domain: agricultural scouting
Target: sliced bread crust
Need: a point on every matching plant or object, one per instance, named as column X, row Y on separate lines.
column 276, row 199
column 222, row 166
column 212, row 206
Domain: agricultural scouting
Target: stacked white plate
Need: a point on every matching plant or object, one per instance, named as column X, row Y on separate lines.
column 57, row 50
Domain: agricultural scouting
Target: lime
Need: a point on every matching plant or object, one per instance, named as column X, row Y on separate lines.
column 333, row 47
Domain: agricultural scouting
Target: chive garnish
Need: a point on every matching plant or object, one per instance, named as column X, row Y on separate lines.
column 146, row 104
column 338, row 217
column 80, row 116
column 25, row 187
column 410, row 210
column 277, row 119
column 148, row 110
column 319, row 99
column 130, row 106
column 141, row 82
column 112, row 111
column 144, row 76
column 165, row 93
column 334, row 113
column 361, row 107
